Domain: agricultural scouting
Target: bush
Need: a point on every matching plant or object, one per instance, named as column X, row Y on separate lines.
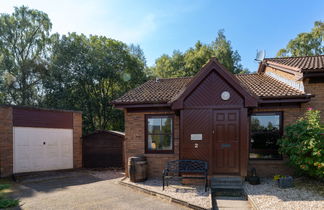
column 8, row 203
column 303, row 142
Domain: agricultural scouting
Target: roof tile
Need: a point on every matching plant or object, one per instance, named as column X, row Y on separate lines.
column 304, row 64
column 166, row 90
column 265, row 86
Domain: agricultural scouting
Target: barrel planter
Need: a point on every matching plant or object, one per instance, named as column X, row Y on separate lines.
column 137, row 169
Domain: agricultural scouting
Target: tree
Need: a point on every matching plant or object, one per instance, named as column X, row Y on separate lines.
column 306, row 44
column 87, row 73
column 24, row 41
column 226, row 55
column 190, row 62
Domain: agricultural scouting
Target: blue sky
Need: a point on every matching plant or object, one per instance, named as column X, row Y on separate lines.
column 163, row 26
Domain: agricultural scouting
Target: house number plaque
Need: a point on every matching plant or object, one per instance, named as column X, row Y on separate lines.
column 196, row 137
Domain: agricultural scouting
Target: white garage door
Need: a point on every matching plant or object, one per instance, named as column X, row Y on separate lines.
column 42, row 149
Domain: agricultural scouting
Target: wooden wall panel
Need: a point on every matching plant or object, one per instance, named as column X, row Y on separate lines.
column 42, row 118
column 208, row 93
column 196, row 122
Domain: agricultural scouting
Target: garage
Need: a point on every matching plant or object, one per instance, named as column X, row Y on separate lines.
column 33, row 139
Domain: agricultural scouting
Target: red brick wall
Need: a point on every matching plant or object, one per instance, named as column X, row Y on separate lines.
column 77, row 140
column 6, row 137
column 135, row 142
column 317, row 102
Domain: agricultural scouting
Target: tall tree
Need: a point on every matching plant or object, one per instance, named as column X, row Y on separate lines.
column 190, row 62
column 224, row 53
column 306, row 44
column 24, row 39
column 87, row 73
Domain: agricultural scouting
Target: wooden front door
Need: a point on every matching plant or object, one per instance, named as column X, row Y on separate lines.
column 226, row 140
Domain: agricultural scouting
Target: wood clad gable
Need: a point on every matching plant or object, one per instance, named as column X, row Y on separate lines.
column 206, row 87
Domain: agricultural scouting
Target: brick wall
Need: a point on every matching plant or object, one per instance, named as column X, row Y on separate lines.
column 316, row 102
column 77, row 140
column 6, row 137
column 135, row 142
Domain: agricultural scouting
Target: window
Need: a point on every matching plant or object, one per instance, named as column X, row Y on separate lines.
column 266, row 129
column 159, row 134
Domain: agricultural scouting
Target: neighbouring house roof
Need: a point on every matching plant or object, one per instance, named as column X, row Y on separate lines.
column 301, row 64
column 164, row 91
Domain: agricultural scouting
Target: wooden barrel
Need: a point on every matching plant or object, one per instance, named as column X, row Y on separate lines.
column 137, row 169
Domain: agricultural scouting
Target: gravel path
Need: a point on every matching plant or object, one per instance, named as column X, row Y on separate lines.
column 194, row 194
column 269, row 196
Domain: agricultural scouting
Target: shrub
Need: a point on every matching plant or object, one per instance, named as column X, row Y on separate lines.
column 6, row 202
column 303, row 142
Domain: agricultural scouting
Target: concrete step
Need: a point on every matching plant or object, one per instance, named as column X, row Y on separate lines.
column 227, row 186
column 229, row 181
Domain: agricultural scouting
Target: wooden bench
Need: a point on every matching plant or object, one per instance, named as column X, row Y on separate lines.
column 176, row 168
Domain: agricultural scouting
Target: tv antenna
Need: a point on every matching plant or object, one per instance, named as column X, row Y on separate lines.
column 260, row 55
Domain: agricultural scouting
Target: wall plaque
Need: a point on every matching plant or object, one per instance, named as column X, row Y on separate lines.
column 196, row 137
column 225, row 95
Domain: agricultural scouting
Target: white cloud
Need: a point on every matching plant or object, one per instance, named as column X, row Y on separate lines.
column 90, row 17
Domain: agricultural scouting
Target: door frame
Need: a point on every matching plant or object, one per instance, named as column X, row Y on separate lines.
column 213, row 141
column 244, row 126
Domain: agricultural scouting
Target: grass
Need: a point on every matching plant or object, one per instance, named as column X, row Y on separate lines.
column 5, row 190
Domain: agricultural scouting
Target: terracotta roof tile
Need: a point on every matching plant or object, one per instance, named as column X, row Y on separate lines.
column 166, row 90
column 266, row 86
column 152, row 91
column 304, row 64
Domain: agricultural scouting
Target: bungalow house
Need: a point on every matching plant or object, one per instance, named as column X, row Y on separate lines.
column 231, row 121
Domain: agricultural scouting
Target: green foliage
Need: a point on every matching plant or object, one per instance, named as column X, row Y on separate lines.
column 303, row 142
column 87, row 73
column 190, row 62
column 24, row 39
column 5, row 202
column 306, row 44
column 8, row 203
column 4, row 186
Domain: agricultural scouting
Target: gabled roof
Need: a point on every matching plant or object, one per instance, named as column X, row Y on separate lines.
column 214, row 65
column 167, row 91
column 300, row 64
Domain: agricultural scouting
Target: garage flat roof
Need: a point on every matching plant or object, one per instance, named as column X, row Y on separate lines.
column 38, row 108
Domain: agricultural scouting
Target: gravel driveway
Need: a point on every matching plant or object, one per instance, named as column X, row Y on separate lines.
column 84, row 190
